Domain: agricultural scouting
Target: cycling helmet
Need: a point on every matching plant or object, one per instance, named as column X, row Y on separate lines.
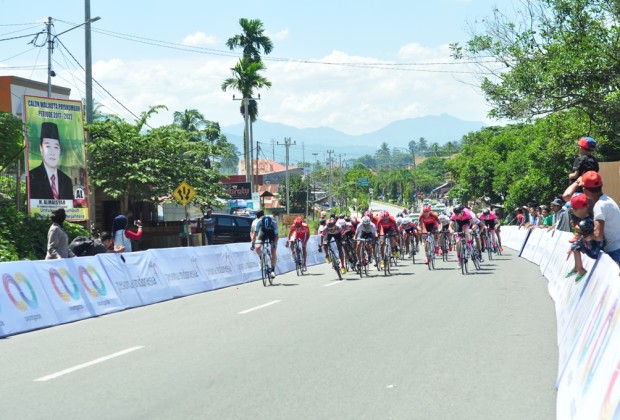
column 405, row 211
column 399, row 214
column 426, row 208
column 365, row 220
column 323, row 214
column 299, row 221
column 331, row 222
column 459, row 209
column 486, row 212
column 322, row 221
column 347, row 219
column 384, row 215
column 342, row 216
column 369, row 214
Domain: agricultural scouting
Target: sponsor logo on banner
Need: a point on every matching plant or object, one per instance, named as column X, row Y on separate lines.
column 13, row 286
column 58, row 276
column 94, row 289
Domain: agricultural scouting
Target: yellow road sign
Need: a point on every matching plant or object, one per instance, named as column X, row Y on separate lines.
column 184, row 193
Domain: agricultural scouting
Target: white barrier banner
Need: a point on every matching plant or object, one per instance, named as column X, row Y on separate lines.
column 59, row 279
column 590, row 347
column 531, row 246
column 216, row 262
column 116, row 269
column 96, row 287
column 24, row 305
column 179, row 266
column 246, row 261
column 553, row 239
column 143, row 283
column 314, row 256
column 285, row 261
column 543, row 243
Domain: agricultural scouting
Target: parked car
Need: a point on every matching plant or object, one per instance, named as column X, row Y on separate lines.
column 231, row 229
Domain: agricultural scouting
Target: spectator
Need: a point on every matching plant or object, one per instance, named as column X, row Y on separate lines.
column 534, row 218
column 584, row 240
column 208, row 225
column 606, row 214
column 57, row 238
column 560, row 216
column 123, row 236
column 84, row 247
column 547, row 218
column 519, row 216
column 585, row 162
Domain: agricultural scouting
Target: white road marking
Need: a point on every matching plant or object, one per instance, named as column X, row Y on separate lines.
column 259, row 307
column 87, row 364
column 333, row 283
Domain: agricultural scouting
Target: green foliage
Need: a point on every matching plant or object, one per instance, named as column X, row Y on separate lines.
column 144, row 166
column 25, row 238
column 12, row 135
column 555, row 55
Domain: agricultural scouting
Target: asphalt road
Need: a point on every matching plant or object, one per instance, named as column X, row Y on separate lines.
column 414, row 345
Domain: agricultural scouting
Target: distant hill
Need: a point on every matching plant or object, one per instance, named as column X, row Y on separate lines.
column 441, row 129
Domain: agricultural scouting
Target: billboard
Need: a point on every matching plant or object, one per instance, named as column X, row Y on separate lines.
column 57, row 176
column 239, row 190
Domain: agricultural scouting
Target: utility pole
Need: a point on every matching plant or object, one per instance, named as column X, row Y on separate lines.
column 256, row 171
column 316, row 166
column 340, row 155
column 287, row 144
column 50, row 47
column 273, row 149
column 329, row 193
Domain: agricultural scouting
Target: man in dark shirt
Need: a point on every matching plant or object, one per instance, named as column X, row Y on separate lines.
column 585, row 162
column 208, row 225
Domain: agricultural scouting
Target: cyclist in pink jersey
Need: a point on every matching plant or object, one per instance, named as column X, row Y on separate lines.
column 461, row 221
column 490, row 219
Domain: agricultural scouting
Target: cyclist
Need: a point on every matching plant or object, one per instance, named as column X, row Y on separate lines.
column 387, row 228
column 460, row 221
column 478, row 228
column 407, row 229
column 429, row 222
column 491, row 221
column 266, row 229
column 444, row 220
column 366, row 230
column 299, row 230
column 333, row 231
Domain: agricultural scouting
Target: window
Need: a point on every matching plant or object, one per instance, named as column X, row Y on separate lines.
column 224, row 221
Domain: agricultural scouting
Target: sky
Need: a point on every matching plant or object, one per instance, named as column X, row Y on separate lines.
column 354, row 66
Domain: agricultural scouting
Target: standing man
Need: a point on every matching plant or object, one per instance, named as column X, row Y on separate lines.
column 46, row 180
column 208, row 225
column 560, row 216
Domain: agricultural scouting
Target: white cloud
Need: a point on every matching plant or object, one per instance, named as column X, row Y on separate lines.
column 279, row 36
column 199, row 39
column 353, row 99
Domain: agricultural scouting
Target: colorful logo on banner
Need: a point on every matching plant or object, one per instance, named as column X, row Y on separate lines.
column 65, row 294
column 15, row 284
column 597, row 337
column 610, row 409
column 95, row 289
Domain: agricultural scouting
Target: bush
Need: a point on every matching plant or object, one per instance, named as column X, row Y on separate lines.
column 25, row 238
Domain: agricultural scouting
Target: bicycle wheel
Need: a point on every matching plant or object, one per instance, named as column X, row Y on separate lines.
column 488, row 243
column 265, row 269
column 299, row 264
column 444, row 246
column 463, row 257
column 430, row 253
column 476, row 258
column 412, row 248
column 335, row 262
column 362, row 261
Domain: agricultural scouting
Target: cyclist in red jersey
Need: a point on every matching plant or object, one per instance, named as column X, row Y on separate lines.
column 299, row 230
column 428, row 221
column 386, row 227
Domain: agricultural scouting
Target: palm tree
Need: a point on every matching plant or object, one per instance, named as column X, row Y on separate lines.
column 252, row 40
column 190, row 120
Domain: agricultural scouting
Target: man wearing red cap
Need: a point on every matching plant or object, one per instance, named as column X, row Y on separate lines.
column 585, row 162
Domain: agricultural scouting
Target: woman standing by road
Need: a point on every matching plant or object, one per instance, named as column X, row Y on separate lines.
column 57, row 238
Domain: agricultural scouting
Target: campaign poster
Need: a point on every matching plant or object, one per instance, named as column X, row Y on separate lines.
column 57, row 176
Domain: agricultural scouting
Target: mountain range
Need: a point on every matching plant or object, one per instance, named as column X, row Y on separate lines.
column 307, row 142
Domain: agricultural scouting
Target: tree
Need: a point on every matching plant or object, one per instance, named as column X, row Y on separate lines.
column 252, row 40
column 383, row 156
column 12, row 135
column 553, row 56
column 190, row 120
column 129, row 165
column 422, row 146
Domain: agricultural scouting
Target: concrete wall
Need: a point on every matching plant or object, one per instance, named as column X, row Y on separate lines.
column 610, row 172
